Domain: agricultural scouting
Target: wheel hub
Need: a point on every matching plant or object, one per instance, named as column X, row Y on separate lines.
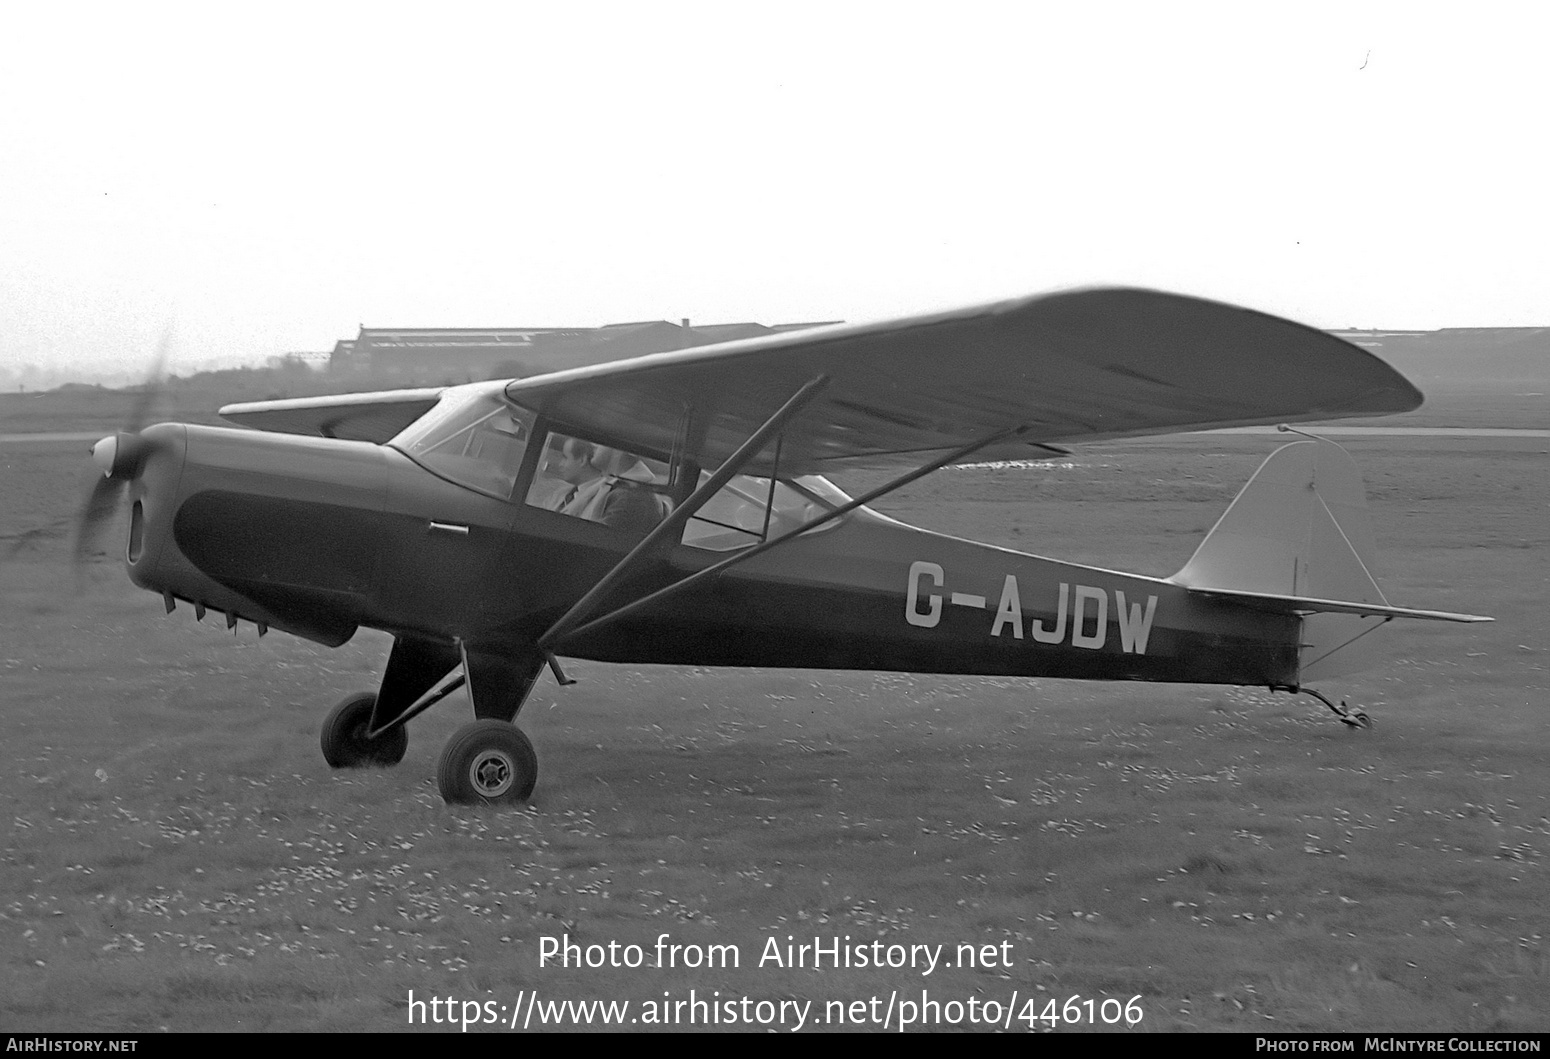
column 491, row 773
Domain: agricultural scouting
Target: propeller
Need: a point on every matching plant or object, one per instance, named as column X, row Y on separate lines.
column 119, row 456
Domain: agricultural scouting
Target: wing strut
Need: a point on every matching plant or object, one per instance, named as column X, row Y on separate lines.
column 844, row 509
column 680, row 515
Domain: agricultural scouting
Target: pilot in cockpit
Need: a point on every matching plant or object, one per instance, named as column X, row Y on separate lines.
column 604, row 485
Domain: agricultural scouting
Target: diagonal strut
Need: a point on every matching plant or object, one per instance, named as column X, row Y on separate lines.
column 680, row 515
column 680, row 585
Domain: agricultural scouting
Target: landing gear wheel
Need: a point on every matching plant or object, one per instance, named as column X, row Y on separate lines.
column 1361, row 719
column 487, row 762
column 344, row 741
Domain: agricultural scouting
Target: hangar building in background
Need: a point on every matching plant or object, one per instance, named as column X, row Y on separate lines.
column 435, row 355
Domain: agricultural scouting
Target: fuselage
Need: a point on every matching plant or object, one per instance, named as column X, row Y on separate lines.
column 318, row 537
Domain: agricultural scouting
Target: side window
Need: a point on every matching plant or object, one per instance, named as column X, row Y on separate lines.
column 746, row 511
column 596, row 483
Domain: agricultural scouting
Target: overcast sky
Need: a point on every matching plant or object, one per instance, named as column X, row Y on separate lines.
column 273, row 176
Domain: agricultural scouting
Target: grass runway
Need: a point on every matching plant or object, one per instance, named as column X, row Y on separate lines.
column 177, row 855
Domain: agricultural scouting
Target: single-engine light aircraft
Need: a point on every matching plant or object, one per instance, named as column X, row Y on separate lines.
column 672, row 509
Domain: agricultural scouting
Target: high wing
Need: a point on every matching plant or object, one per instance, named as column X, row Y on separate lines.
column 357, row 417
column 1086, row 364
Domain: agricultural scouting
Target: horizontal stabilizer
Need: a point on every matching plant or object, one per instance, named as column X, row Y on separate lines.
column 1308, row 605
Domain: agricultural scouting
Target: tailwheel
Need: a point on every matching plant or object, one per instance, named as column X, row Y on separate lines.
column 344, row 741
column 1347, row 716
column 487, row 762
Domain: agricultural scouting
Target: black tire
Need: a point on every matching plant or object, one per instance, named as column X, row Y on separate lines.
column 487, row 763
column 344, row 741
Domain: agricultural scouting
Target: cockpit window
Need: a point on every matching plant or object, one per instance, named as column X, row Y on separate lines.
column 473, row 438
column 746, row 511
column 599, row 483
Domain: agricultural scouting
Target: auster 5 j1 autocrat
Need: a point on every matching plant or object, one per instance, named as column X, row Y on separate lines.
column 672, row 509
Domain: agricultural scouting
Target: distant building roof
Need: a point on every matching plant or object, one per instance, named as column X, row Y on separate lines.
column 730, row 332
column 805, row 326
column 473, row 352
column 441, row 337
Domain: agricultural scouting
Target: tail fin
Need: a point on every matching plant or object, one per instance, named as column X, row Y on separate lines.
column 1297, row 539
column 1299, row 528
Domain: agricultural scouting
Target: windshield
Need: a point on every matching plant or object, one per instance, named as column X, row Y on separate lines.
column 472, row 437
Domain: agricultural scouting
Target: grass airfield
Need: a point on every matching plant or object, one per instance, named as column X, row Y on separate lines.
column 177, row 855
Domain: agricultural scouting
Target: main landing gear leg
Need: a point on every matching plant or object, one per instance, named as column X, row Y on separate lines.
column 1348, row 717
column 491, row 761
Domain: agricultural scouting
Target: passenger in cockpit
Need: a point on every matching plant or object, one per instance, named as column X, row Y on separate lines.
column 605, row 485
